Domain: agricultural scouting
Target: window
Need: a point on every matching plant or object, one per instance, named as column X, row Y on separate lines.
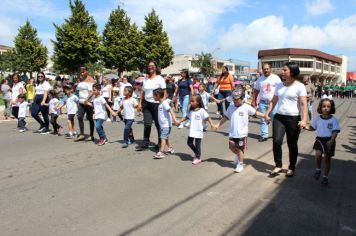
column 326, row 67
column 332, row 68
column 318, row 65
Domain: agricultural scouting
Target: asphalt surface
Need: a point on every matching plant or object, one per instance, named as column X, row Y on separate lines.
column 53, row 186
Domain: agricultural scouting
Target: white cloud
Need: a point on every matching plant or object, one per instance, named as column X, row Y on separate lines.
column 30, row 7
column 318, row 7
column 307, row 36
column 8, row 30
column 342, row 33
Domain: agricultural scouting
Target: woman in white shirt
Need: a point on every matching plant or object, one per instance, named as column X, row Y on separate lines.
column 106, row 93
column 39, row 103
column 16, row 90
column 148, row 105
column 6, row 96
column 291, row 100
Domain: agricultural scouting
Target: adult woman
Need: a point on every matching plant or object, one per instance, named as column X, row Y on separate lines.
column 310, row 95
column 39, row 103
column 226, row 85
column 291, row 97
column 148, row 105
column 183, row 92
column 84, row 91
column 17, row 88
column 107, row 94
column 170, row 87
column 6, row 96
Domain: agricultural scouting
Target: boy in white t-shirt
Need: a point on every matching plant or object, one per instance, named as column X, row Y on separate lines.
column 100, row 106
column 128, row 106
column 71, row 101
column 54, row 112
column 238, row 114
column 165, row 117
column 116, row 105
column 22, row 105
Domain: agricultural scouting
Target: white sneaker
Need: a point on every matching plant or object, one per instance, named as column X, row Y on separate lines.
column 159, row 155
column 239, row 168
column 171, row 150
column 181, row 126
column 187, row 124
column 236, row 160
column 108, row 120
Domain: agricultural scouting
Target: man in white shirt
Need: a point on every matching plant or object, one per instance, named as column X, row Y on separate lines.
column 265, row 87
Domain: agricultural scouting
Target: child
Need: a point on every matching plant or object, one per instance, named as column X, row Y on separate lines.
column 116, row 106
column 205, row 98
column 100, row 106
column 197, row 115
column 327, row 127
column 71, row 101
column 128, row 105
column 22, row 104
column 54, row 112
column 238, row 114
column 165, row 117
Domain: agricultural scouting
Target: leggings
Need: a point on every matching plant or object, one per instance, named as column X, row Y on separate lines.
column 197, row 147
column 54, row 123
column 83, row 109
column 37, row 108
column 107, row 110
column 150, row 113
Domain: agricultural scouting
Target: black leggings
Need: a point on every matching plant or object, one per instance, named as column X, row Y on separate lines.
column 197, row 147
column 54, row 123
column 37, row 108
column 107, row 110
column 283, row 124
column 150, row 113
column 83, row 109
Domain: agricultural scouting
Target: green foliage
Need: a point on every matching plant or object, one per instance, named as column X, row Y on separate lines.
column 77, row 40
column 122, row 42
column 95, row 68
column 155, row 42
column 8, row 61
column 29, row 54
column 205, row 63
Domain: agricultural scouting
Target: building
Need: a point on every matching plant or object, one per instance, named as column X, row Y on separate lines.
column 4, row 49
column 184, row 61
column 320, row 66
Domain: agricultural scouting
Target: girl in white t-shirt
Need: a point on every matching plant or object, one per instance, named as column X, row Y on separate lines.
column 116, row 105
column 327, row 128
column 197, row 115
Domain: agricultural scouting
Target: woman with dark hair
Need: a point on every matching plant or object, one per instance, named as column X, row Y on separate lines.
column 39, row 103
column 183, row 91
column 16, row 89
column 6, row 96
column 291, row 99
column 148, row 105
column 225, row 84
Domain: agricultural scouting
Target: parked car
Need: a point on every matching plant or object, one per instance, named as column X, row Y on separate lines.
column 50, row 75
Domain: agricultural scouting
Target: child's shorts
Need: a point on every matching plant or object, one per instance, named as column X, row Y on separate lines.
column 71, row 117
column 240, row 143
column 320, row 145
column 165, row 132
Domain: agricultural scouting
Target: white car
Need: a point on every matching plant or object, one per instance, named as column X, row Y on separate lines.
column 50, row 75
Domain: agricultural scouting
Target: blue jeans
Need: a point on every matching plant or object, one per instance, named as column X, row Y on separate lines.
column 128, row 131
column 184, row 102
column 37, row 108
column 262, row 107
column 21, row 123
column 99, row 128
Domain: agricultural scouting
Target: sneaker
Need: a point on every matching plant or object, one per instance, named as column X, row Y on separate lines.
column 275, row 171
column 239, row 168
column 102, row 142
column 108, row 120
column 45, row 131
column 325, row 181
column 125, row 145
column 290, row 173
column 131, row 142
column 39, row 130
column 54, row 133
column 22, row 130
column 80, row 138
column 170, row 150
column 181, row 126
column 187, row 124
column 159, row 155
column 196, row 161
column 317, row 174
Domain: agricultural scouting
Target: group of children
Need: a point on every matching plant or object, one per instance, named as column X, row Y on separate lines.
column 326, row 125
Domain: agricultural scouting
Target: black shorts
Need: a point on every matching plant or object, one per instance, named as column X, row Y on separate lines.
column 320, row 145
column 71, row 117
column 240, row 143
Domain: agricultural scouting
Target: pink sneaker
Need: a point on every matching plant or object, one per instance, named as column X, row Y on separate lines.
column 196, row 161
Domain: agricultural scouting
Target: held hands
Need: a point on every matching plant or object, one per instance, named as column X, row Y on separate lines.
column 215, row 127
column 267, row 118
column 302, row 124
column 139, row 107
column 43, row 103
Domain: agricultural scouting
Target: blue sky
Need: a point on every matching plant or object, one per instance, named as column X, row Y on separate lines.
column 234, row 29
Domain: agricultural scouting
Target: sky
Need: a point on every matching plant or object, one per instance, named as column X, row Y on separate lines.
column 229, row 29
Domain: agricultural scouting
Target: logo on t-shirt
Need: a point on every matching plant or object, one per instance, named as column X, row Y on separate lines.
column 330, row 126
column 241, row 113
column 197, row 117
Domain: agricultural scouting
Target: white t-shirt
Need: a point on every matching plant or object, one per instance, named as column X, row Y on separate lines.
column 22, row 109
column 5, row 89
column 196, row 122
column 164, row 117
column 42, row 87
column 325, row 127
column 267, row 86
column 205, row 98
column 52, row 106
column 122, row 88
column 288, row 98
column 105, row 91
column 117, row 101
column 16, row 91
column 238, row 117
column 128, row 106
column 151, row 84
column 72, row 106
column 99, row 108
column 84, row 89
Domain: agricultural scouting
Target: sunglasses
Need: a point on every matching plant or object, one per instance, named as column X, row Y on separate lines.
column 40, row 76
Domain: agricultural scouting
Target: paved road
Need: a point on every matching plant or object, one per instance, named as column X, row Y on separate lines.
column 53, row 186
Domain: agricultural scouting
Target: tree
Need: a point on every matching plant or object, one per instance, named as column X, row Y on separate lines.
column 8, row 61
column 155, row 42
column 29, row 54
column 205, row 63
column 122, row 42
column 77, row 40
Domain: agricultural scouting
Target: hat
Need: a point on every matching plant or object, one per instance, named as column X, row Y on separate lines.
column 238, row 93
